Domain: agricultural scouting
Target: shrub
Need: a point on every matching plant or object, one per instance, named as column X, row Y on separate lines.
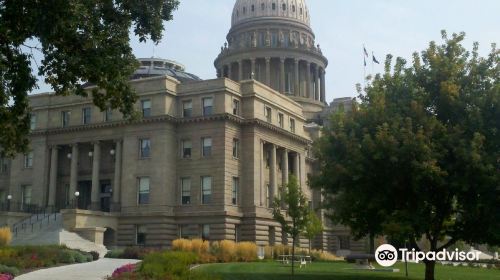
column 199, row 246
column 66, row 256
column 94, row 255
column 80, row 258
column 163, row 265
column 128, row 268
column 137, row 253
column 114, row 254
column 182, row 245
column 8, row 270
column 227, row 251
column 5, row 236
column 246, row 251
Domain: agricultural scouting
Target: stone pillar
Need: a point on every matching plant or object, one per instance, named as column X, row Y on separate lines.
column 96, row 168
column 240, row 70
column 297, row 77
column 263, row 187
column 229, row 71
column 323, row 89
column 308, row 80
column 272, row 167
column 53, row 177
column 268, row 71
column 282, row 75
column 252, row 69
column 296, row 166
column 73, row 180
column 118, row 174
column 284, row 168
column 317, row 81
column 303, row 171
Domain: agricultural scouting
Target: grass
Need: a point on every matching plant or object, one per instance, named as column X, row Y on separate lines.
column 341, row 271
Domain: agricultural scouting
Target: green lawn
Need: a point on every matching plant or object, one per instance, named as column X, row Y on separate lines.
column 341, row 271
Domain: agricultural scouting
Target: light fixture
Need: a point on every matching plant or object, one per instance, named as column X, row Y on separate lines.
column 69, row 155
column 77, row 194
column 9, row 197
column 112, row 152
column 91, row 154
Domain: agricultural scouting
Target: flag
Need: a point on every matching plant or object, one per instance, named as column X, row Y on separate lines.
column 374, row 59
column 364, row 49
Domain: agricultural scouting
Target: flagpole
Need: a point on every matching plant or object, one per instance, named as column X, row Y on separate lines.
column 373, row 55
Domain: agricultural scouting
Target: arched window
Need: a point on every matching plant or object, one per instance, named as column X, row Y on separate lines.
column 293, row 9
column 263, row 6
column 253, row 8
column 284, row 7
column 244, row 10
column 274, row 6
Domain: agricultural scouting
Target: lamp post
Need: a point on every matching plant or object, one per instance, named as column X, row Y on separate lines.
column 9, row 198
column 77, row 194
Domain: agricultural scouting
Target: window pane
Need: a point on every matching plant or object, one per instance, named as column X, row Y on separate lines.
column 144, row 186
column 33, row 121
column 186, row 191
column 206, row 189
column 187, row 108
column 146, row 108
column 207, row 106
column 205, row 232
column 206, row 147
column 236, row 183
column 236, row 147
column 145, row 148
column 186, row 148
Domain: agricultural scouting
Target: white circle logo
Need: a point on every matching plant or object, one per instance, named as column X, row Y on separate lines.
column 386, row 255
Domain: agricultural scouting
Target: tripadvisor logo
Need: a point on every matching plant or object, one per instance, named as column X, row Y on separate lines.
column 386, row 255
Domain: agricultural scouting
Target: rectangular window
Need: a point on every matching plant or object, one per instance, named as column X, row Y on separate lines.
column 28, row 160
column 108, row 115
column 86, row 115
column 281, row 120
column 268, row 113
column 206, row 147
column 208, row 104
column 145, row 148
column 65, row 118
column 186, row 191
column 236, row 148
column 205, row 232
column 292, row 125
column 146, row 108
column 187, row 109
column 32, row 121
column 236, row 107
column 26, row 195
column 344, row 243
column 206, row 189
column 3, row 165
column 144, row 186
column 186, row 148
column 3, row 197
column 236, row 187
column 140, row 235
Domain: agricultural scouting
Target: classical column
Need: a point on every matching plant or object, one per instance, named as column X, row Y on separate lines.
column 282, row 75
column 284, row 168
column 229, row 71
column 323, row 89
column 297, row 77
column 272, row 177
column 317, row 81
column 308, row 80
column 73, row 177
column 96, row 166
column 296, row 166
column 53, row 176
column 268, row 71
column 240, row 70
column 263, row 188
column 303, row 171
column 252, row 69
column 118, row 174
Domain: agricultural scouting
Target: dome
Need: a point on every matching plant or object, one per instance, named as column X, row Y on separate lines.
column 154, row 66
column 248, row 10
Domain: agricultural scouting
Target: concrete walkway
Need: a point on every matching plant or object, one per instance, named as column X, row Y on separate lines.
column 84, row 271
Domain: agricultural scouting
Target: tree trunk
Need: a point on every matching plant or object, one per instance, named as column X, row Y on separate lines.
column 293, row 255
column 310, row 246
column 429, row 270
column 372, row 244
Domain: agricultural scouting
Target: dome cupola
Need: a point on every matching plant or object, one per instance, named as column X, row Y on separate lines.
column 248, row 10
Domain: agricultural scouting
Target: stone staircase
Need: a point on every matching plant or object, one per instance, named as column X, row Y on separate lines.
column 47, row 229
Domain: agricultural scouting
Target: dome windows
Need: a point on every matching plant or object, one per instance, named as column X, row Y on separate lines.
column 284, row 7
column 263, row 6
column 244, row 10
column 253, row 8
column 274, row 6
column 293, row 8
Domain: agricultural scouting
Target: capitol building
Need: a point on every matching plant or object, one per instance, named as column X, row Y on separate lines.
column 206, row 158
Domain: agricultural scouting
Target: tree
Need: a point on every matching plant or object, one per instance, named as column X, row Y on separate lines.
column 295, row 219
column 81, row 41
column 420, row 153
column 313, row 227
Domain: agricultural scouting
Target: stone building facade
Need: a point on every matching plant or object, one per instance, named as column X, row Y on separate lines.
column 207, row 156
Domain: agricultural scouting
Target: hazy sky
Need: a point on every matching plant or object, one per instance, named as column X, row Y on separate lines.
column 398, row 27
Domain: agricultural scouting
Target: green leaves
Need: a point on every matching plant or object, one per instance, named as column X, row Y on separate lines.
column 420, row 154
column 82, row 42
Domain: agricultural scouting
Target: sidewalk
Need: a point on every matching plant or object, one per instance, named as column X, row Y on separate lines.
column 84, row 271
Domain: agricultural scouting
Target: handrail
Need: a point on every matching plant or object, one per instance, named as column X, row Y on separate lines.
column 24, row 226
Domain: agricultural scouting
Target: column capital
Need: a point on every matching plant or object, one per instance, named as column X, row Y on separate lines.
column 54, row 146
column 116, row 141
column 282, row 59
column 97, row 142
column 296, row 60
column 267, row 58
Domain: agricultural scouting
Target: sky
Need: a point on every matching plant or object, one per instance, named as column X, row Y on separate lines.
column 397, row 27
